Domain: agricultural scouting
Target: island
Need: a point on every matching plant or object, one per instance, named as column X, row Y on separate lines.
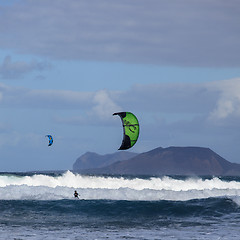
column 159, row 161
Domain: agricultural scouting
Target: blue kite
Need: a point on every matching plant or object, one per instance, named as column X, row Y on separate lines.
column 50, row 139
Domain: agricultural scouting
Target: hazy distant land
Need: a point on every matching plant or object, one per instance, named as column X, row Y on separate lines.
column 159, row 161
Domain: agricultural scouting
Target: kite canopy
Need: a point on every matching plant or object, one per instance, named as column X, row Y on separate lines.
column 130, row 129
column 50, row 139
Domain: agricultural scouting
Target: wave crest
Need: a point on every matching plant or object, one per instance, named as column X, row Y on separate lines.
column 47, row 187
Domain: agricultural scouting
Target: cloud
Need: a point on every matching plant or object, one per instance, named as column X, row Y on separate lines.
column 104, row 104
column 91, row 107
column 46, row 99
column 183, row 33
column 176, row 99
column 101, row 107
column 17, row 69
column 171, row 102
column 228, row 104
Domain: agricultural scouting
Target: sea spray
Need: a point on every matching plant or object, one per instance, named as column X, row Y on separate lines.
column 47, row 187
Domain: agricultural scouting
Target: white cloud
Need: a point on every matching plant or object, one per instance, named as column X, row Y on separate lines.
column 228, row 103
column 172, row 102
column 104, row 105
column 101, row 106
column 91, row 107
column 224, row 109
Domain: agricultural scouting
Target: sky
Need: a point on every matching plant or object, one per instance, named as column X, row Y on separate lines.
column 66, row 66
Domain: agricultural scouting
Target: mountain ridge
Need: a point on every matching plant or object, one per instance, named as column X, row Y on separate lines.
column 171, row 161
column 94, row 160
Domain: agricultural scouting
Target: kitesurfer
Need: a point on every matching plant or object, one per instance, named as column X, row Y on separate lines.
column 75, row 194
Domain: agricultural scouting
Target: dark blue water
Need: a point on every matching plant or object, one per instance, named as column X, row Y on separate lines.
column 120, row 216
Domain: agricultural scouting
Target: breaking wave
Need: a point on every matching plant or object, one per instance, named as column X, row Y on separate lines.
column 57, row 187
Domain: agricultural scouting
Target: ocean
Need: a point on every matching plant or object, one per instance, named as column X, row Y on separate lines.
column 42, row 206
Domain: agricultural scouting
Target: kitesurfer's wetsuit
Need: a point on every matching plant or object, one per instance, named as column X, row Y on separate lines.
column 75, row 194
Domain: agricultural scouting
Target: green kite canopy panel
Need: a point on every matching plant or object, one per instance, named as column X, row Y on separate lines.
column 130, row 129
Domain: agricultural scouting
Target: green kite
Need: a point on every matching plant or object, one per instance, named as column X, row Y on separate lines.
column 130, row 129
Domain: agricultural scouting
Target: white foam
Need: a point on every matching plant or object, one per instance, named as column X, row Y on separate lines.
column 44, row 187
